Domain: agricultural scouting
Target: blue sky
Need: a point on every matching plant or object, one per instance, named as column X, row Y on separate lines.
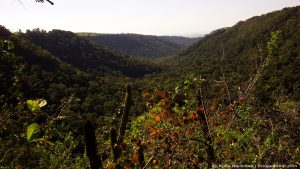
column 155, row 17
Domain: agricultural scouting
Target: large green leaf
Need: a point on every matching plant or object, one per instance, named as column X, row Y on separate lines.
column 32, row 131
column 33, row 105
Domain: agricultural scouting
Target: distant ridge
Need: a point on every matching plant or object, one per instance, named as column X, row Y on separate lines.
column 147, row 46
column 185, row 41
column 87, row 56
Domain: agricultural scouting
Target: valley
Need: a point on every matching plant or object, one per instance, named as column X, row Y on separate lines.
column 80, row 100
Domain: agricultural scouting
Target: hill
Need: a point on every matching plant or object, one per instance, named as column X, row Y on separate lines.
column 185, row 41
column 239, row 52
column 146, row 46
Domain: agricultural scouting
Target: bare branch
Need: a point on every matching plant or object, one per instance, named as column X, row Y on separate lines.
column 42, row 1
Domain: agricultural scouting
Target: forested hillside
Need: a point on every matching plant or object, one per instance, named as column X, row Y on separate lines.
column 85, row 55
column 231, row 99
column 137, row 45
column 58, row 64
column 238, row 53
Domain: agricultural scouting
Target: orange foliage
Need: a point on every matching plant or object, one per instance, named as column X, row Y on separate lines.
column 134, row 158
column 146, row 94
column 193, row 116
column 214, row 106
column 155, row 132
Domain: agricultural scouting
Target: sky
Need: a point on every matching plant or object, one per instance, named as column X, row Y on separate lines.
column 151, row 17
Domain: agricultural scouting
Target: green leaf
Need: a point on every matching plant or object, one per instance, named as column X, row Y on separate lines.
column 32, row 131
column 33, row 105
column 36, row 105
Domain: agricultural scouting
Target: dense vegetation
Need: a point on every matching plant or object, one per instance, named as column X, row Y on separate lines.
column 233, row 98
column 72, row 88
column 146, row 46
